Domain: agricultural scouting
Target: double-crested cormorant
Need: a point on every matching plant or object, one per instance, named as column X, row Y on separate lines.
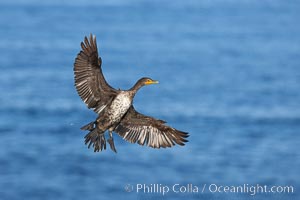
column 114, row 107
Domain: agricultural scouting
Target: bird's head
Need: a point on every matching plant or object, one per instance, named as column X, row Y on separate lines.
column 146, row 81
column 142, row 82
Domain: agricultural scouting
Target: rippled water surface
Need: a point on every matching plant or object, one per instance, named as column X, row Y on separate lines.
column 229, row 75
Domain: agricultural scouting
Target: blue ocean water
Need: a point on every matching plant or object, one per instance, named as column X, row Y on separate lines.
column 229, row 75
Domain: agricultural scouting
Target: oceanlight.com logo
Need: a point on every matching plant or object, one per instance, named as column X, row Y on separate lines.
column 164, row 189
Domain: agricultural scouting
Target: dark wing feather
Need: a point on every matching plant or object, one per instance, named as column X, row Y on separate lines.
column 144, row 130
column 89, row 80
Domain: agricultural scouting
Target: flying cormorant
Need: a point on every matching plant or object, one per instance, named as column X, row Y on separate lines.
column 114, row 107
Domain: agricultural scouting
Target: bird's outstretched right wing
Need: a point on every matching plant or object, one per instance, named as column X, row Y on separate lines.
column 144, row 130
column 89, row 80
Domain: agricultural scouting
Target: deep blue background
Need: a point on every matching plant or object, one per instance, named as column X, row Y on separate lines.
column 229, row 75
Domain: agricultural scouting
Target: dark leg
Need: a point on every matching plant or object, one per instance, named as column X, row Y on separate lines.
column 89, row 126
column 111, row 142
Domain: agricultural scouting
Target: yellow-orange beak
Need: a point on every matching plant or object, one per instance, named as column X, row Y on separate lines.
column 149, row 82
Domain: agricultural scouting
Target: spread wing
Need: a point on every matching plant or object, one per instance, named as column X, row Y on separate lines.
column 144, row 130
column 89, row 80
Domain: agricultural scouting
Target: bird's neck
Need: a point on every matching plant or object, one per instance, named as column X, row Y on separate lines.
column 136, row 87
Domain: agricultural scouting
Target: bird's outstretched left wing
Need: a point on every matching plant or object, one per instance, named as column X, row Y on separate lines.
column 144, row 130
column 89, row 80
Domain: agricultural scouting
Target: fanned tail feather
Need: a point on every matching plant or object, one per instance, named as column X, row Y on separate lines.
column 95, row 137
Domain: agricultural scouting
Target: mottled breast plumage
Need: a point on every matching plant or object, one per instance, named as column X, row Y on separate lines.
column 119, row 106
